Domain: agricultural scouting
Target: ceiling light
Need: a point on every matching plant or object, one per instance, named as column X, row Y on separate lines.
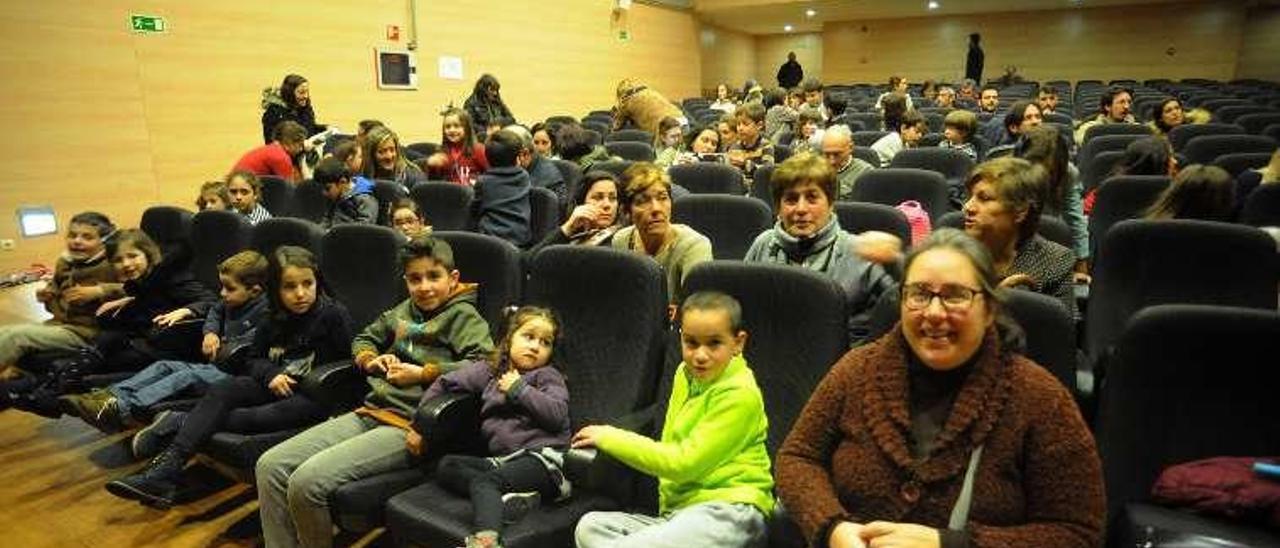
column 933, row 4
column 786, row 28
column 810, row 12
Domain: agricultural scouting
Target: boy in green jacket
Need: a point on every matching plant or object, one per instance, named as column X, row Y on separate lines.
column 714, row 484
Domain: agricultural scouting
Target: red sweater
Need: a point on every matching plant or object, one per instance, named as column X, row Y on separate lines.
column 267, row 160
column 458, row 162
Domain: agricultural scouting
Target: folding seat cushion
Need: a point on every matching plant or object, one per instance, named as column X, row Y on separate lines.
column 631, row 150
column 1179, row 136
column 612, row 311
column 1186, row 382
column 892, row 186
column 1205, row 149
column 710, row 177
column 859, row 217
column 216, row 235
column 447, row 206
column 731, row 222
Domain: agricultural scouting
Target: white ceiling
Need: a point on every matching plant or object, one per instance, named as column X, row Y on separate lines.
column 769, row 16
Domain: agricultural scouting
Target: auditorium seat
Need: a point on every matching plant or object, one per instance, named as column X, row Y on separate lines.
column 709, row 177
column 859, row 217
column 730, row 222
column 892, row 186
column 216, row 235
column 447, row 206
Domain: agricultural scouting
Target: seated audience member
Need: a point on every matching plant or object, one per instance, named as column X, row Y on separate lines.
column 897, row 85
column 245, row 191
column 702, row 144
column 346, row 205
column 594, row 218
column 807, row 138
column 928, row 90
column 1114, row 104
column 1166, row 115
column 752, row 149
column 893, row 108
column 989, row 101
column 1198, row 192
column 880, row 453
column 808, row 235
column 501, row 204
column 579, row 145
column 668, row 143
column 276, row 159
column 795, row 98
column 1006, row 197
column 1145, row 156
column 837, row 147
column 407, row 218
column 435, row 331
column 485, row 106
column 1004, row 133
column 727, row 127
column 82, row 279
column 1063, row 190
column 946, row 98
column 227, row 332
column 836, row 104
column 544, row 141
column 289, row 102
column 677, row 248
column 908, row 133
column 1047, row 99
column 724, row 102
column 351, row 155
column 643, row 107
column 213, row 196
column 752, row 93
column 542, row 171
column 778, row 114
column 957, row 132
column 1250, row 179
column 496, row 125
column 461, row 157
column 304, row 328
column 712, row 465
column 813, row 96
column 363, row 127
column 967, row 96
column 383, row 158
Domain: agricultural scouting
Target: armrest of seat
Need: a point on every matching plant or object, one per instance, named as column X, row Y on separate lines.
column 338, row 384
column 595, row 471
column 450, row 423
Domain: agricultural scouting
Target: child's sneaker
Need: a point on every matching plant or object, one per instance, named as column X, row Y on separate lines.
column 515, row 506
column 99, row 408
column 483, row 539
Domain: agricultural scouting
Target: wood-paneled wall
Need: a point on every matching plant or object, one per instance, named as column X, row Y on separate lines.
column 728, row 57
column 1260, row 45
column 100, row 118
column 772, row 49
column 1162, row 41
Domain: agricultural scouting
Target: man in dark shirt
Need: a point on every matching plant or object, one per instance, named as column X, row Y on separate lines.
column 973, row 65
column 790, row 73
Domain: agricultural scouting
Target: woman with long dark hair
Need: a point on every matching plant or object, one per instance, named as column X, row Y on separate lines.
column 291, row 101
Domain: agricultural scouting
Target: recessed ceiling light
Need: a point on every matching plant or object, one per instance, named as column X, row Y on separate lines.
column 810, row 12
column 786, row 28
column 933, row 4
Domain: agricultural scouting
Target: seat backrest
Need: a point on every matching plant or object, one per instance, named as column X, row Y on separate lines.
column 1056, row 230
column 1179, row 136
column 599, row 128
column 795, row 319
column 892, row 186
column 1058, row 118
column 1119, row 198
column 306, row 202
column 1099, row 168
column 870, row 121
column 1254, row 123
column 630, row 135
column 1187, row 383
column 631, row 150
column 1229, row 115
column 216, row 235
column 277, row 194
column 616, row 167
column 424, row 148
column 447, row 206
column 730, row 222
column 1235, row 163
column 170, row 228
column 361, row 267
column 867, row 138
column 572, row 174
column 544, row 213
column 1115, row 129
column 1272, row 131
column 561, row 119
column 781, row 153
column 387, row 193
column 951, row 163
column 1050, row 331
column 867, row 155
column 1144, row 263
column 760, row 185
column 1262, row 207
column 1204, row 149
column 709, row 178
column 493, row 263
column 1104, row 143
column 278, row 231
column 859, row 217
column 612, row 307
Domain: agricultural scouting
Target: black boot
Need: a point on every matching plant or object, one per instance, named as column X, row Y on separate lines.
column 157, row 484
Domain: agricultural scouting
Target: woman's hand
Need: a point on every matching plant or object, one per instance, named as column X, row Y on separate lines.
column 507, row 380
column 414, row 443
column 877, row 247
column 282, row 385
column 846, row 535
column 580, row 219
column 404, row 374
column 111, row 307
column 166, row 320
column 209, row 346
column 588, row 436
column 380, row 364
column 1018, row 280
column 878, row 534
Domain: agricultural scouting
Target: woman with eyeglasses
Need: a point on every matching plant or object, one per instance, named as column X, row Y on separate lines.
column 1006, row 197
column 941, row 434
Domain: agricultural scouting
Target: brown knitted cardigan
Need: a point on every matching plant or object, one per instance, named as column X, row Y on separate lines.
column 848, row 457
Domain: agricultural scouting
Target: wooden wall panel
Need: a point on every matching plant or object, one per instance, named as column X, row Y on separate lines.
column 1260, row 45
column 771, row 53
column 109, row 120
column 1104, row 43
column 728, row 57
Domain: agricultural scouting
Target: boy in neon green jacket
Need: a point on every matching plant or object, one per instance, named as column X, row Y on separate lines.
column 714, row 483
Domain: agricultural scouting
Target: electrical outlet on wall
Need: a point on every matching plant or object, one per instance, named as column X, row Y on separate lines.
column 7, row 244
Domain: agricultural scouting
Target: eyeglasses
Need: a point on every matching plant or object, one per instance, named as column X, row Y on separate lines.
column 955, row 298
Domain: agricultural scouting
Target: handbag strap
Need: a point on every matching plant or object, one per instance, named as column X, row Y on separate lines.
column 960, row 513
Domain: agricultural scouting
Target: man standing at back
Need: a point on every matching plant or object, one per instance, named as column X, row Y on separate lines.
column 790, row 73
column 973, row 65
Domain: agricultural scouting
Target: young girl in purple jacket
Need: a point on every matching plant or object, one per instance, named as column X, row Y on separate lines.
column 524, row 417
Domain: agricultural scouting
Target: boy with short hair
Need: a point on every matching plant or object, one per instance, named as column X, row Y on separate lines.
column 959, row 126
column 813, row 97
column 501, row 206
column 714, row 483
column 751, row 149
column 346, row 205
column 228, row 329
column 909, row 132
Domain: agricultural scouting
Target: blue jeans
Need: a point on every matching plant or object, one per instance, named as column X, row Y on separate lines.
column 160, row 381
column 720, row 524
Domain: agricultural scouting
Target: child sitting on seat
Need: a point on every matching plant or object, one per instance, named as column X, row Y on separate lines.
column 714, row 483
column 246, row 194
column 213, row 196
column 959, row 126
column 346, row 205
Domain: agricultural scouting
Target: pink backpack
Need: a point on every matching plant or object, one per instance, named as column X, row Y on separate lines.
column 918, row 218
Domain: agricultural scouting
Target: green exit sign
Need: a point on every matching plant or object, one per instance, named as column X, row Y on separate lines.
column 147, row 23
